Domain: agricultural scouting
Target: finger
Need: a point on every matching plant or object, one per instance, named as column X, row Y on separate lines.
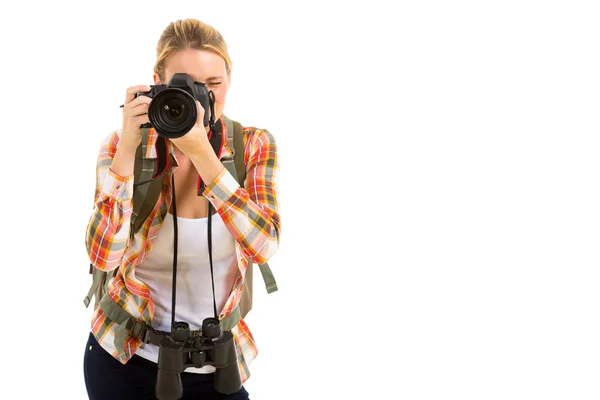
column 137, row 101
column 136, row 110
column 141, row 119
column 130, row 94
column 200, row 119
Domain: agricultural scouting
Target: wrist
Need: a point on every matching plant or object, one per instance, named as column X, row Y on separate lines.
column 128, row 146
column 201, row 151
column 207, row 163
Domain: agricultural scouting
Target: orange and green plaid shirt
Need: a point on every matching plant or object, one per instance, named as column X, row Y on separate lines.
column 250, row 213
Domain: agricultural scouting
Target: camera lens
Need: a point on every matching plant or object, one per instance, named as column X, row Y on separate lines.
column 175, row 109
column 172, row 112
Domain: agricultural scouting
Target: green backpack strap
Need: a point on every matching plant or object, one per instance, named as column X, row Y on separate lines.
column 233, row 164
column 240, row 167
column 98, row 279
column 237, row 168
column 146, row 189
column 128, row 325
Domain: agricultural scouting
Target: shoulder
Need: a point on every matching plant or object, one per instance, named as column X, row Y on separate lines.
column 110, row 142
column 259, row 136
column 260, row 146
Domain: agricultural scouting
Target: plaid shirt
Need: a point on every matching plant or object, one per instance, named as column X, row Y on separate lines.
column 250, row 214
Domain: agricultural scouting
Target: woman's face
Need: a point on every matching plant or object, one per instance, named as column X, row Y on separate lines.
column 203, row 66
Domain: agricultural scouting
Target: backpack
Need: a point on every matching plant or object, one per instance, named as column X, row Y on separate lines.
column 146, row 193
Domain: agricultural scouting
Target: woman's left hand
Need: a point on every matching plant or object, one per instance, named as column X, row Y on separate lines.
column 196, row 140
column 197, row 147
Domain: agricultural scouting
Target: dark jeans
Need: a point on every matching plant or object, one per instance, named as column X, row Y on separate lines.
column 107, row 379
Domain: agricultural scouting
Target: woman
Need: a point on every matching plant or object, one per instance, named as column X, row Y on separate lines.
column 245, row 228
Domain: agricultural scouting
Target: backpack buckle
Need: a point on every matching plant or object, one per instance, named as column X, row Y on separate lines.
column 135, row 328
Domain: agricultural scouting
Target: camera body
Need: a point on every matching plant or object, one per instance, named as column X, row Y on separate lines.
column 180, row 350
column 172, row 111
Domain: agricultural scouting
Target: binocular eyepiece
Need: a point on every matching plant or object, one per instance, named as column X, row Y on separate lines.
column 181, row 350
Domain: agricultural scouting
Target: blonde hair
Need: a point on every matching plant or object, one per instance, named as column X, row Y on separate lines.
column 189, row 34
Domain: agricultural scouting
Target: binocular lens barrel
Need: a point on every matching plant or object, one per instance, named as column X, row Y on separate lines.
column 168, row 385
column 228, row 380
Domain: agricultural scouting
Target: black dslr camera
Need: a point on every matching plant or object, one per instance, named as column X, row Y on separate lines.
column 180, row 350
column 172, row 111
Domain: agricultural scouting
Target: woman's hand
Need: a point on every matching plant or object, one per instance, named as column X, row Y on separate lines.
column 135, row 113
column 195, row 142
column 197, row 147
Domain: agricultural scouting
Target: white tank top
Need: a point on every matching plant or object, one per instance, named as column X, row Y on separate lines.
column 194, row 300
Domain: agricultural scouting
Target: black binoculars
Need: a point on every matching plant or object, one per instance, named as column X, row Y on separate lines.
column 181, row 350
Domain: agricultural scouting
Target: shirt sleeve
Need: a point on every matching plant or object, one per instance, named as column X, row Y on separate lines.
column 251, row 214
column 108, row 228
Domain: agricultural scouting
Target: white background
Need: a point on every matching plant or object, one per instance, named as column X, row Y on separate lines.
column 439, row 190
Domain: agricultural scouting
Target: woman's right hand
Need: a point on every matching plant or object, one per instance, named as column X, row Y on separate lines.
column 135, row 113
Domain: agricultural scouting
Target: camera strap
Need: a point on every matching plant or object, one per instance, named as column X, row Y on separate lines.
column 209, row 234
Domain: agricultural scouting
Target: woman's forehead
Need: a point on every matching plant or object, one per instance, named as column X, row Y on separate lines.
column 201, row 65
